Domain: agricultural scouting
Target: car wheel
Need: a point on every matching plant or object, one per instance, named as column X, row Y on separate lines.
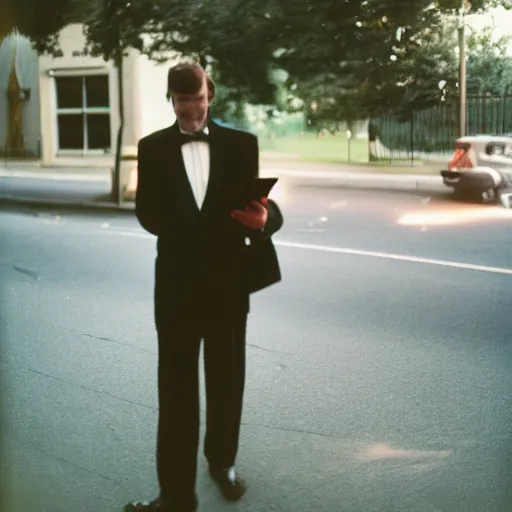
column 490, row 194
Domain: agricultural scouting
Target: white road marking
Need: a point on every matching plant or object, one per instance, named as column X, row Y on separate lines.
column 134, row 234
column 338, row 205
column 357, row 252
column 450, row 216
column 320, row 220
column 398, row 257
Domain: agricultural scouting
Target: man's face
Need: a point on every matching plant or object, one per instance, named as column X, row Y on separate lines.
column 192, row 109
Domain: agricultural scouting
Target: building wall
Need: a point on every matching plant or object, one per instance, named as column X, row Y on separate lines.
column 26, row 66
column 73, row 63
column 156, row 111
column 146, row 108
column 132, row 102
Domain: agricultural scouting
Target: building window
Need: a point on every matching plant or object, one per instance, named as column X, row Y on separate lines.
column 83, row 114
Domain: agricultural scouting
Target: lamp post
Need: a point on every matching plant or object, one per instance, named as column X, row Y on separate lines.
column 349, row 141
column 463, row 69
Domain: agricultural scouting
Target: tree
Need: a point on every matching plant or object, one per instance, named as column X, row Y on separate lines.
column 230, row 37
column 489, row 64
column 330, row 50
column 372, row 57
column 40, row 21
column 111, row 28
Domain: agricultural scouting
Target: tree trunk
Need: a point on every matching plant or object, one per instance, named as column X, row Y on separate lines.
column 117, row 192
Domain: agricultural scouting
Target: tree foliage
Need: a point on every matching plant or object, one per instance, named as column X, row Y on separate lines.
column 489, row 65
column 348, row 57
column 41, row 21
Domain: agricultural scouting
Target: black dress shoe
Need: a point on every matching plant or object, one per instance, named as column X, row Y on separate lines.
column 232, row 487
column 155, row 506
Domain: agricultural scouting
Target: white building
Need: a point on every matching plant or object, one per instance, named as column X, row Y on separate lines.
column 80, row 101
column 72, row 115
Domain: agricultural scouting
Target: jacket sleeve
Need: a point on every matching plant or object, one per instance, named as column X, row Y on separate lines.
column 274, row 221
column 146, row 203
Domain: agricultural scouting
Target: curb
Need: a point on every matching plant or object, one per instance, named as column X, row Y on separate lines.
column 417, row 184
column 43, row 204
column 366, row 181
column 89, row 177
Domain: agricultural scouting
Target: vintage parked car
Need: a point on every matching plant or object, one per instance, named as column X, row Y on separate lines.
column 481, row 168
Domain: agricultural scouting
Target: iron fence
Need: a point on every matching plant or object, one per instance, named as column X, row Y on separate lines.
column 434, row 130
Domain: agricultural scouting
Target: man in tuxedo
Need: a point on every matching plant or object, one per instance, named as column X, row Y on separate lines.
column 211, row 256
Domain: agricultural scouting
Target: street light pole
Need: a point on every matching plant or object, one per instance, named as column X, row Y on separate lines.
column 463, row 70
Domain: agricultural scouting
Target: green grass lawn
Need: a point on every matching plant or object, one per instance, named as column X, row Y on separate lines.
column 310, row 148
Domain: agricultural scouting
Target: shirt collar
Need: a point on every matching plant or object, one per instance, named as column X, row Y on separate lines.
column 205, row 130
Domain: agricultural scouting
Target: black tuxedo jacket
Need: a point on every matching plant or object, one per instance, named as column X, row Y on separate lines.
column 203, row 253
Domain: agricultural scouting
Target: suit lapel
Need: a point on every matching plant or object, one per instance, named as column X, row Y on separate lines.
column 185, row 195
column 217, row 166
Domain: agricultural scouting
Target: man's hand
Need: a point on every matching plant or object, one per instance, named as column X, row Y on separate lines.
column 254, row 216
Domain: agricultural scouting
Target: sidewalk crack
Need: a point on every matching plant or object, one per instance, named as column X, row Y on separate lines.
column 296, row 431
column 87, row 388
column 27, row 272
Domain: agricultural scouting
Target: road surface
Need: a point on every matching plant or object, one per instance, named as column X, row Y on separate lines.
column 378, row 371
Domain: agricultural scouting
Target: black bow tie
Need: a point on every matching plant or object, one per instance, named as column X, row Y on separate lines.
column 194, row 137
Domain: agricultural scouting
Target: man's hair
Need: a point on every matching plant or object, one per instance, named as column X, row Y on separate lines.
column 187, row 78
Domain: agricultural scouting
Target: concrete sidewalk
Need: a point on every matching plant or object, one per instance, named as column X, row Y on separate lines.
column 23, row 184
column 58, row 174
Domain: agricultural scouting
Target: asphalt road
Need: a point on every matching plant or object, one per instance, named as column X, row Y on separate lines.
column 378, row 372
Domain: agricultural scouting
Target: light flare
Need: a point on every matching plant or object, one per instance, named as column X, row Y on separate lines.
column 450, row 216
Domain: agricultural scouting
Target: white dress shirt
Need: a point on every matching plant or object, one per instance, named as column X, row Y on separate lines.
column 196, row 157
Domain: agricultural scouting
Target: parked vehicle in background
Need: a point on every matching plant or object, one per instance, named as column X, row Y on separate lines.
column 481, row 168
